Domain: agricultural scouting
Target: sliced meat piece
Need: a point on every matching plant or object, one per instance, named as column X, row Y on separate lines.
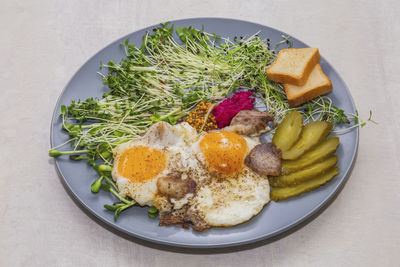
column 197, row 222
column 185, row 218
column 174, row 187
column 250, row 122
column 174, row 217
column 265, row 159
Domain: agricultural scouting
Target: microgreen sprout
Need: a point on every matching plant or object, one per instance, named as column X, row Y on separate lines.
column 118, row 208
column 121, row 206
column 110, row 186
column 152, row 212
column 56, row 153
column 105, row 168
column 96, row 185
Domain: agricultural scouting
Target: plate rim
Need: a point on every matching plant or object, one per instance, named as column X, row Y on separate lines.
column 304, row 218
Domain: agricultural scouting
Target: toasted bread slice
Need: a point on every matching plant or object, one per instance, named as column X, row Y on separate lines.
column 317, row 84
column 293, row 65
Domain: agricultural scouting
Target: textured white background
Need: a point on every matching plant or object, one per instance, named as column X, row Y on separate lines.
column 44, row 42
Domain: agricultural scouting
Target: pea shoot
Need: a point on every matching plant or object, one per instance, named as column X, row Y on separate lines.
column 95, row 187
column 56, row 153
column 152, row 212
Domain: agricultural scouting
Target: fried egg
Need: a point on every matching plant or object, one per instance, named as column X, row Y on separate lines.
column 230, row 193
column 232, row 200
column 139, row 163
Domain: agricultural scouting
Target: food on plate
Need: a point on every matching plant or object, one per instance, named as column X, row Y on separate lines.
column 228, row 192
column 320, row 152
column 172, row 186
column 312, row 134
column 198, row 179
column 288, row 131
column 265, row 159
column 223, row 152
column 304, row 174
column 250, row 122
column 228, row 108
column 317, row 84
column 176, row 130
column 293, row 65
column 300, row 74
column 313, row 162
column 201, row 117
column 139, row 163
column 282, row 193
column 229, row 201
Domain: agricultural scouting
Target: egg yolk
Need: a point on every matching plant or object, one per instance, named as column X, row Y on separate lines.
column 224, row 151
column 140, row 163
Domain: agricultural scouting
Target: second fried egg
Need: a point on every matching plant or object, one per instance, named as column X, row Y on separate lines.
column 230, row 193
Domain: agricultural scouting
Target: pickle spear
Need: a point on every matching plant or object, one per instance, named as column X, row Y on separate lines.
column 313, row 133
column 282, row 193
column 288, row 131
column 320, row 152
column 305, row 174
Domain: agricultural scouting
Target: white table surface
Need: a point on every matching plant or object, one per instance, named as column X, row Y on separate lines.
column 43, row 43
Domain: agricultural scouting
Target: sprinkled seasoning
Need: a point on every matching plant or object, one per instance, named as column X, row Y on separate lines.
column 202, row 118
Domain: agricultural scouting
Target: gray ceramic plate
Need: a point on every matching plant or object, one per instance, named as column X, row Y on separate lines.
column 276, row 218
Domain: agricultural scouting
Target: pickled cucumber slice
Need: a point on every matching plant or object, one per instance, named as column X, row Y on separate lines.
column 288, row 131
column 313, row 133
column 305, row 174
column 320, row 152
column 282, row 193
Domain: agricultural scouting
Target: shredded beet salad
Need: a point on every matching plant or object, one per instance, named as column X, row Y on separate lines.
column 228, row 108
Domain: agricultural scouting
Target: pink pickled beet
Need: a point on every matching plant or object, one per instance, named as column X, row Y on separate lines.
column 227, row 109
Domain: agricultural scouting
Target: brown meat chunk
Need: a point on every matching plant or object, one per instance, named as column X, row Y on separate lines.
column 184, row 217
column 250, row 122
column 174, row 217
column 174, row 187
column 265, row 159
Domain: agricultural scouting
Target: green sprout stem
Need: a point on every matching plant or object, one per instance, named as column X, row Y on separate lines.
column 121, row 197
column 111, row 183
column 56, row 153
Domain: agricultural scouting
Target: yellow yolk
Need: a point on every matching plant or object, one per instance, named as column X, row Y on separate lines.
column 224, row 151
column 141, row 163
